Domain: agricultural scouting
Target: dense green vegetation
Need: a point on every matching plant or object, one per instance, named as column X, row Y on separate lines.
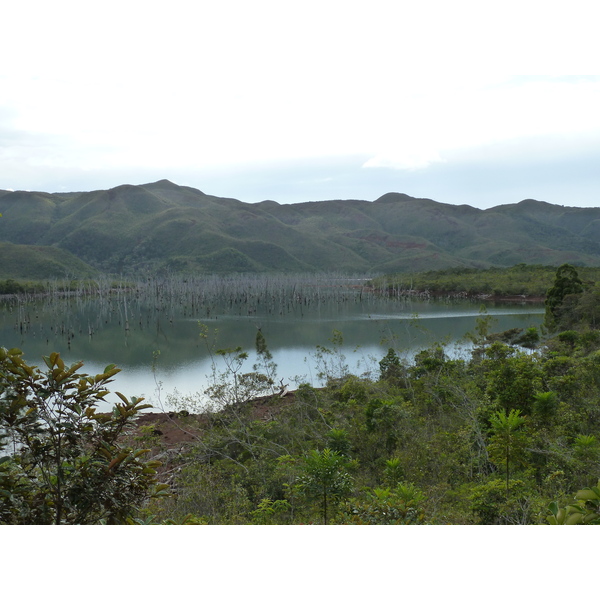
column 61, row 461
column 506, row 433
column 518, row 280
column 162, row 227
column 493, row 438
column 11, row 286
column 20, row 261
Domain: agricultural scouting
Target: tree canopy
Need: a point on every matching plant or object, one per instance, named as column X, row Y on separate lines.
column 566, row 283
column 62, row 460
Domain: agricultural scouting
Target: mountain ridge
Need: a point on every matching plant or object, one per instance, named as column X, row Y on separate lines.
column 161, row 226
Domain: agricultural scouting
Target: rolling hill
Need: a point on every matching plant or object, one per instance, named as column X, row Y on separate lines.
column 146, row 228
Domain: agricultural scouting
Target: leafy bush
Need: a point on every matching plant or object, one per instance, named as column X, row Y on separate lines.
column 402, row 505
column 493, row 506
column 584, row 511
column 63, row 461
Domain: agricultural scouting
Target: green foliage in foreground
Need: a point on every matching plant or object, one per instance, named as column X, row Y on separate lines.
column 62, row 462
column 585, row 510
column 495, row 437
column 501, row 437
column 502, row 434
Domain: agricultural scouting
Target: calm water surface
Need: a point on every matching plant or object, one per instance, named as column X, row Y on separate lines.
column 162, row 348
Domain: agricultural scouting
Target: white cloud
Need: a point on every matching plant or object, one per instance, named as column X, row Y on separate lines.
column 477, row 117
column 410, row 159
column 406, row 85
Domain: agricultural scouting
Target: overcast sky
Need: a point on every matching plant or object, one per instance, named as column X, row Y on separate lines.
column 464, row 102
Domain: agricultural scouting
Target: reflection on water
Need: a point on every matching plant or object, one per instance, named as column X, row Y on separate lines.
column 136, row 333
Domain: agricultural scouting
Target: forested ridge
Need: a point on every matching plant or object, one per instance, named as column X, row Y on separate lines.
column 505, row 433
column 162, row 228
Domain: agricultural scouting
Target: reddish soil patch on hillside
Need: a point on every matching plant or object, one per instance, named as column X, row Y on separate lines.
column 175, row 429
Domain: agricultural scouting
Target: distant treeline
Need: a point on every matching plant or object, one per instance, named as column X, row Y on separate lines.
column 519, row 280
column 11, row 286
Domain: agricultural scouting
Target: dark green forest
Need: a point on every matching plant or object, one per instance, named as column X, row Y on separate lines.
column 509, row 433
column 496, row 282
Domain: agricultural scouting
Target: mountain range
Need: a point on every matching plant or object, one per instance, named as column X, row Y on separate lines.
column 138, row 229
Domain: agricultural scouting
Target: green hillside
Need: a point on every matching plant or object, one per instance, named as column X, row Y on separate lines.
column 147, row 228
column 40, row 262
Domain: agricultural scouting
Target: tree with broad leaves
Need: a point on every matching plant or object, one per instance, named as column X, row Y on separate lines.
column 62, row 461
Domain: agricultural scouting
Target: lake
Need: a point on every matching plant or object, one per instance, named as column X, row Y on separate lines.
column 160, row 350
